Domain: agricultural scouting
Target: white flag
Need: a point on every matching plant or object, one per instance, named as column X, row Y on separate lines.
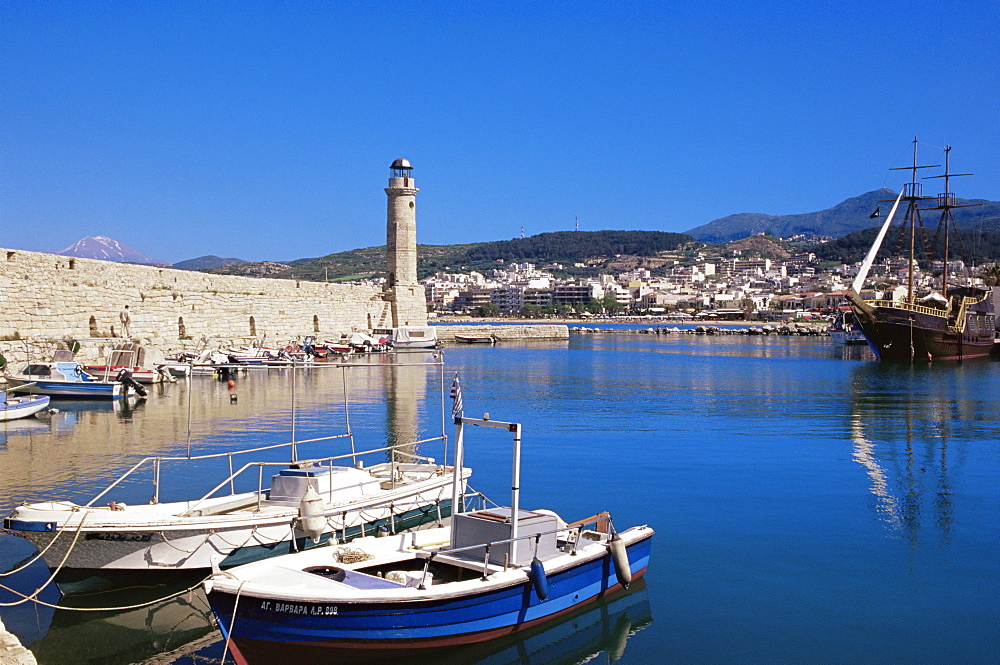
column 456, row 394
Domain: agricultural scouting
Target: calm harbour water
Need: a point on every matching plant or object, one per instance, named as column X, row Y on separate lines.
column 811, row 505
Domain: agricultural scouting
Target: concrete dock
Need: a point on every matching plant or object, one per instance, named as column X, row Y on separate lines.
column 11, row 651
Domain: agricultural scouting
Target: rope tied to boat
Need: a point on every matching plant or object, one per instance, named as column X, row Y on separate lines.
column 232, row 621
column 32, row 597
column 121, row 608
column 37, row 556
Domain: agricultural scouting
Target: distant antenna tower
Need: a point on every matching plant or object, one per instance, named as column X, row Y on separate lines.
column 577, row 223
column 522, row 231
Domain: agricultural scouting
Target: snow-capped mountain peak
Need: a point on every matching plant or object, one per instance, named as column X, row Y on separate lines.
column 104, row 248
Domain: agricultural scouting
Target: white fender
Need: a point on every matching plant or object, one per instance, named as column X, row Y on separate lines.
column 310, row 520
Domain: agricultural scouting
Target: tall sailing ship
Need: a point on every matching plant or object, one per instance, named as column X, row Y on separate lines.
column 951, row 324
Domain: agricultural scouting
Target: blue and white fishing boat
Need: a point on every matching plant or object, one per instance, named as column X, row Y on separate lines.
column 64, row 377
column 12, row 408
column 491, row 572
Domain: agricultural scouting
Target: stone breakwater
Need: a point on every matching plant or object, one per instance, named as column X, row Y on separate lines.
column 784, row 329
column 505, row 333
column 46, row 299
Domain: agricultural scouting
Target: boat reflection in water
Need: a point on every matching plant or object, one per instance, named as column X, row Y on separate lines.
column 177, row 626
column 183, row 628
column 601, row 628
column 64, row 416
column 594, row 633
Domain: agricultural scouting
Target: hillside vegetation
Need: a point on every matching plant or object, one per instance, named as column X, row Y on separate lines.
column 587, row 254
column 595, row 249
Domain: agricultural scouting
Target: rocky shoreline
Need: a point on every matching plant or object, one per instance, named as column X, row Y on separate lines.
column 652, row 326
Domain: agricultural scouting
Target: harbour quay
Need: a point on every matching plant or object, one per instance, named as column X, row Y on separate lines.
column 784, row 330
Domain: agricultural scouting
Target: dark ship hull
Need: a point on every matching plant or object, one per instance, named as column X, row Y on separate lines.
column 904, row 332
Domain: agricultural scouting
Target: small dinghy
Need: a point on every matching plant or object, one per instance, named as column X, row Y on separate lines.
column 12, row 408
column 476, row 339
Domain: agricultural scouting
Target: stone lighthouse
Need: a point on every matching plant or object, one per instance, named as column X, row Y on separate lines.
column 405, row 295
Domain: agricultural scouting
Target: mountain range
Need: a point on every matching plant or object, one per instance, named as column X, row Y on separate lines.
column 104, row 248
column 596, row 249
column 846, row 217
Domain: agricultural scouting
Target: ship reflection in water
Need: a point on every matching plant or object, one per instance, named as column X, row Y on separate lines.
column 183, row 629
column 904, row 445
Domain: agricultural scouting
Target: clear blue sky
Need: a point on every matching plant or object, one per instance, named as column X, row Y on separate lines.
column 264, row 130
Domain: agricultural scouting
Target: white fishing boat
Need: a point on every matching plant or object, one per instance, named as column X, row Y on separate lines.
column 12, row 408
column 241, row 527
column 321, row 498
column 491, row 572
column 409, row 337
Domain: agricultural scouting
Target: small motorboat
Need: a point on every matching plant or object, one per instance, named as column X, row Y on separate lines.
column 491, row 572
column 64, row 377
column 12, row 408
column 130, row 356
column 477, row 339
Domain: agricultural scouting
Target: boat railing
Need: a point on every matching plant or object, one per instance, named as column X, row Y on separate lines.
column 19, row 386
column 572, row 534
column 157, row 462
column 323, row 461
column 909, row 307
column 958, row 318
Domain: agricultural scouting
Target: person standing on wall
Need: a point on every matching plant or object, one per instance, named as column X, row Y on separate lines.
column 126, row 319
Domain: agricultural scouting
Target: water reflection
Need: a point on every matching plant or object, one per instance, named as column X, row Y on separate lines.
column 597, row 633
column 903, row 420
column 181, row 624
column 405, row 391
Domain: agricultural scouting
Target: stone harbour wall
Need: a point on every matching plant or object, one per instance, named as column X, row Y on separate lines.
column 505, row 333
column 47, row 297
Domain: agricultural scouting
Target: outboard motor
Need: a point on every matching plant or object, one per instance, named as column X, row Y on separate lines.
column 125, row 378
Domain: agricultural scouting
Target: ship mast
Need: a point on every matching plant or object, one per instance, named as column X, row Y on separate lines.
column 946, row 202
column 912, row 193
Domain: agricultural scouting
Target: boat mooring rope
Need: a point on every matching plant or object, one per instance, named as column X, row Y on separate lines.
column 32, row 597
column 232, row 622
column 39, row 554
column 121, row 608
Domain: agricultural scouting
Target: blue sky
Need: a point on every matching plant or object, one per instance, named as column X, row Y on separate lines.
column 264, row 130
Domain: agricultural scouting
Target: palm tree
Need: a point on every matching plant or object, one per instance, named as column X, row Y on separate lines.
column 991, row 274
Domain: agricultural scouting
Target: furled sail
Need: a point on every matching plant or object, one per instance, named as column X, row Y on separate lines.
column 870, row 259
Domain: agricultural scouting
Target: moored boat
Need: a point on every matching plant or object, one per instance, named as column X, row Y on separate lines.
column 955, row 323
column 12, row 408
column 476, row 339
column 409, row 337
column 845, row 330
column 128, row 356
column 64, row 377
column 308, row 500
column 343, row 502
column 491, row 572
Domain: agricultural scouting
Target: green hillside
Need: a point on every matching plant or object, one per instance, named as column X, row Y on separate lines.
column 597, row 249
